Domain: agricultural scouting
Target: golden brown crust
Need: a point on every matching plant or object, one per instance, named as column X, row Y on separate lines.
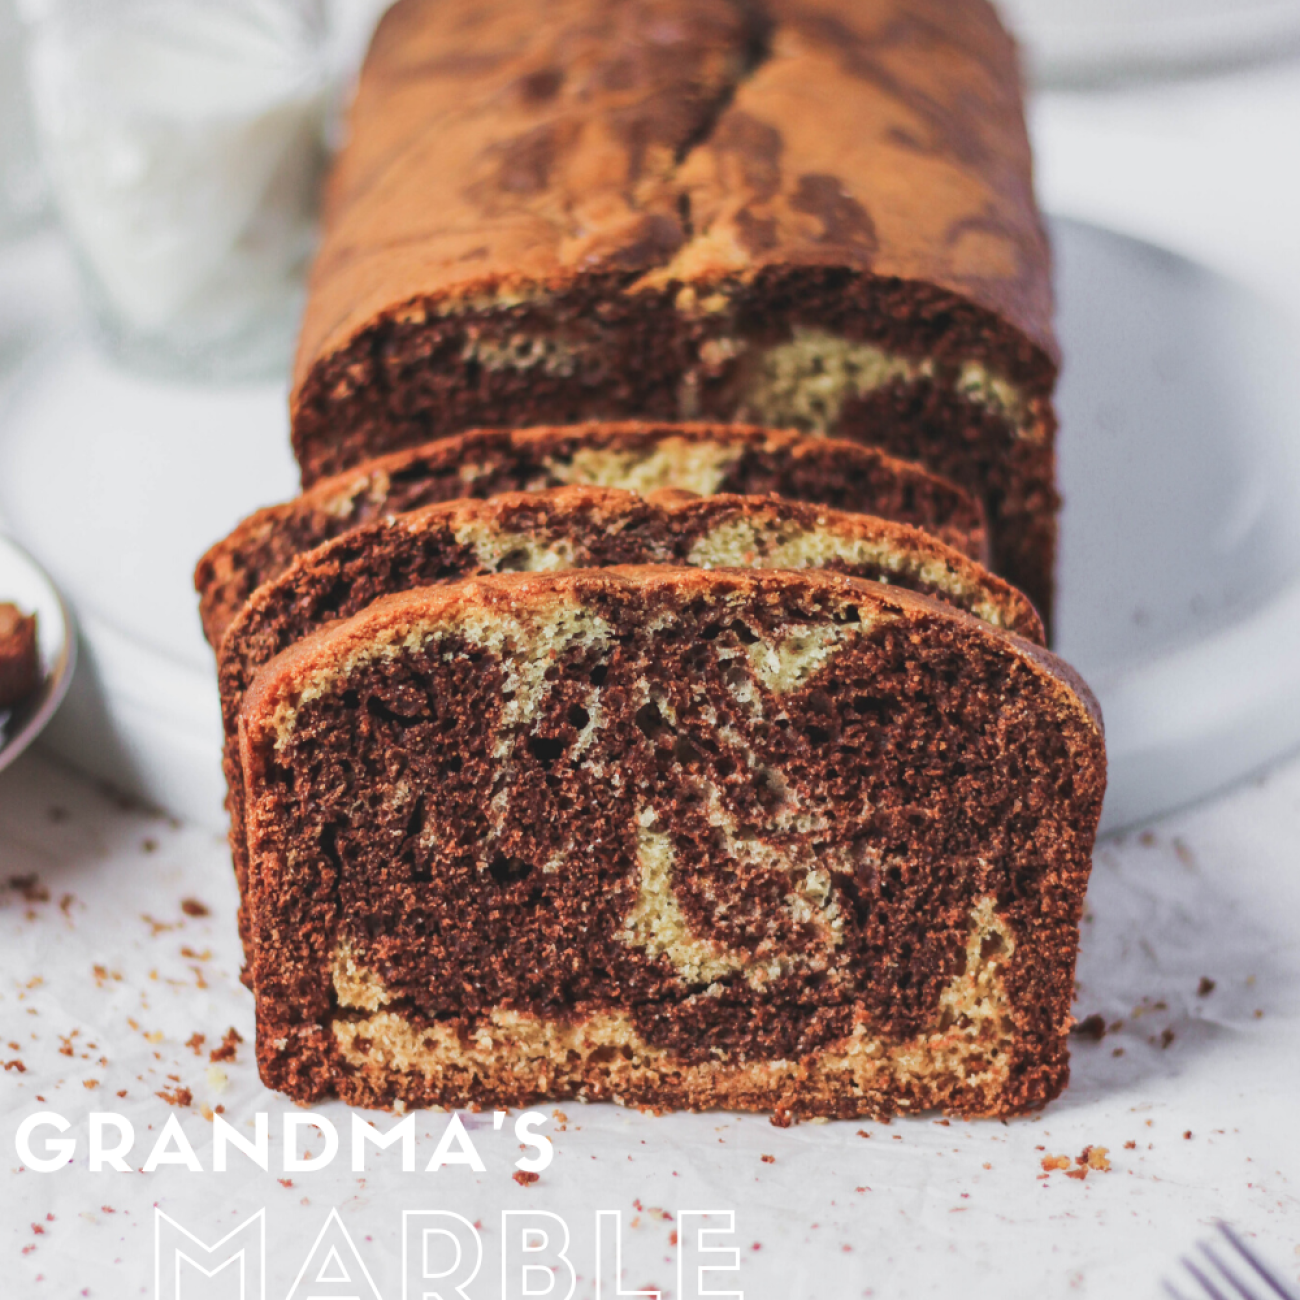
column 811, row 214
column 498, row 145
column 500, row 593
column 579, row 519
column 488, row 461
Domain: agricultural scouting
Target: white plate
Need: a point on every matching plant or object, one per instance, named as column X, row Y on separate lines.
column 1094, row 40
column 23, row 583
column 1180, row 564
column 1179, row 573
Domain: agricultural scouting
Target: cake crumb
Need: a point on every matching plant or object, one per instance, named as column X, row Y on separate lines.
column 30, row 888
column 1205, row 987
column 1092, row 1027
column 193, row 907
column 1095, row 1158
column 768, row 1160
column 178, row 1096
column 524, row 1178
column 226, row 1052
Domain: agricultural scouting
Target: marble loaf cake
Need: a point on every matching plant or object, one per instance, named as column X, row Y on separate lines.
column 815, row 214
column 571, row 528
column 787, row 840
column 640, row 456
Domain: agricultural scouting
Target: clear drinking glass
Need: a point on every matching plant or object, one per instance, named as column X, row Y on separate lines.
column 183, row 144
column 22, row 186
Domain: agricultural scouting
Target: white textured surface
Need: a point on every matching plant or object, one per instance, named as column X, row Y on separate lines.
column 1212, row 893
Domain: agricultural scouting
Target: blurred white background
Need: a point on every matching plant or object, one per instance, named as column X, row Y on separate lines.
column 1089, row 40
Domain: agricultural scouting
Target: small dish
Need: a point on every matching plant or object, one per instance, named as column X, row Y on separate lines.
column 25, row 583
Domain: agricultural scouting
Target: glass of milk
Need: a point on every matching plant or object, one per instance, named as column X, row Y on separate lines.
column 183, row 144
column 22, row 187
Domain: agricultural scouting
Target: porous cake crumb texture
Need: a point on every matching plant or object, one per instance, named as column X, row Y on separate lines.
column 673, row 838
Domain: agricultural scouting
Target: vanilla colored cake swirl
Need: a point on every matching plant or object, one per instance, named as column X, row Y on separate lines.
column 640, row 456
column 669, row 836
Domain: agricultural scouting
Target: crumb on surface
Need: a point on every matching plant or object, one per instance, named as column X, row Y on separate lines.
column 1090, row 1159
column 226, row 1052
column 1095, row 1158
column 30, row 887
column 1092, row 1027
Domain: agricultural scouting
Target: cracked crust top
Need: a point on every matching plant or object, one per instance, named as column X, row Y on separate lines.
column 501, row 146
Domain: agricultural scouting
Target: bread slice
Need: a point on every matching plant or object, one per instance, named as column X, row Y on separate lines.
column 701, row 458
column 671, row 837
column 581, row 527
